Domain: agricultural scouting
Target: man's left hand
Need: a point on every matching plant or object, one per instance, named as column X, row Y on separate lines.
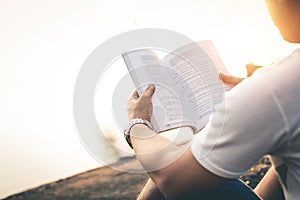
column 141, row 106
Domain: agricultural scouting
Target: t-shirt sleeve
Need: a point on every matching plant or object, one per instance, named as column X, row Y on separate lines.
column 244, row 127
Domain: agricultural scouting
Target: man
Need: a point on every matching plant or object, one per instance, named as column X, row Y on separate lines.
column 261, row 116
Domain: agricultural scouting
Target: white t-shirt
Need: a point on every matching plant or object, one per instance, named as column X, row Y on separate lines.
column 259, row 116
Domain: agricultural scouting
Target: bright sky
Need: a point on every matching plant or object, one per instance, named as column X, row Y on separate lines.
column 44, row 43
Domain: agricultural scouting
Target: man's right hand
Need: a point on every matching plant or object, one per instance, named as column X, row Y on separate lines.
column 232, row 80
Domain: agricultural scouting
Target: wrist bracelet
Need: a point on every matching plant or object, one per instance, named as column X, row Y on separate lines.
column 131, row 124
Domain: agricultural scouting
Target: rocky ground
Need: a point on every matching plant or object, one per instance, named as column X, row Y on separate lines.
column 109, row 184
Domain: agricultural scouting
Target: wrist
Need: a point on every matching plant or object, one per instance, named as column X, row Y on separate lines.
column 133, row 122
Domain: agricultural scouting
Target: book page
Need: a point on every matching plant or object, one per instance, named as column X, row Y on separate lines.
column 198, row 78
column 211, row 51
column 170, row 110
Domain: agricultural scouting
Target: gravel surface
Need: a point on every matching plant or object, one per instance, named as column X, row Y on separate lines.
column 105, row 183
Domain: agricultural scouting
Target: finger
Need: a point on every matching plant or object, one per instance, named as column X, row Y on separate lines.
column 134, row 96
column 149, row 91
column 230, row 79
column 251, row 68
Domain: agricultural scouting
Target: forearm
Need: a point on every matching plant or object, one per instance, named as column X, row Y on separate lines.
column 150, row 192
column 155, row 151
column 171, row 165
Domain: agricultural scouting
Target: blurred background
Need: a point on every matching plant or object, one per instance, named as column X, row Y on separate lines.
column 44, row 43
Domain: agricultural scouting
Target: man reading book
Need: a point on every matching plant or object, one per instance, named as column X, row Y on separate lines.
column 261, row 116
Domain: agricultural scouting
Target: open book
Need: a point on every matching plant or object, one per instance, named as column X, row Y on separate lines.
column 187, row 83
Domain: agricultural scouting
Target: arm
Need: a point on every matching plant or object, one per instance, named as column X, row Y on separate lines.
column 269, row 187
column 184, row 177
column 150, row 191
column 176, row 173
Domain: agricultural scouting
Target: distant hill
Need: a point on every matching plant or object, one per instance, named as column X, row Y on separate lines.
column 105, row 183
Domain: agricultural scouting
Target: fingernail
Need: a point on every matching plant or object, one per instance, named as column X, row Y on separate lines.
column 151, row 85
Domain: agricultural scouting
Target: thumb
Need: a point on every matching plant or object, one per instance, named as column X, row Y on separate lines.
column 149, row 91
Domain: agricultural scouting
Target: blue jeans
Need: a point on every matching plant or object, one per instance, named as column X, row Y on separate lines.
column 233, row 190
